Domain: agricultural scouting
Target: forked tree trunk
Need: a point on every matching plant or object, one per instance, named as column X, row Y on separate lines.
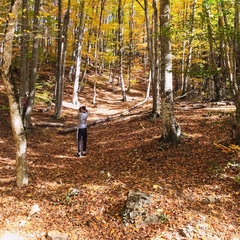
column 16, row 120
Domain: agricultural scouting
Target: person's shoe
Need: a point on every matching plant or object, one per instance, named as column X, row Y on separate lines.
column 84, row 154
column 78, row 155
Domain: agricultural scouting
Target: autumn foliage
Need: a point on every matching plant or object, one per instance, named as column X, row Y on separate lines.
column 194, row 185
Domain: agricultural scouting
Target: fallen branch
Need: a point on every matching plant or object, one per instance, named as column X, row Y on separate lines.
column 48, row 124
column 90, row 123
column 184, row 95
column 139, row 104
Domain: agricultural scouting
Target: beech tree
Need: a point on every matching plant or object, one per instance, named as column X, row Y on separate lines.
column 121, row 48
column 16, row 119
column 62, row 46
column 78, row 51
column 171, row 131
column 153, row 55
column 34, row 64
column 23, row 56
column 188, row 48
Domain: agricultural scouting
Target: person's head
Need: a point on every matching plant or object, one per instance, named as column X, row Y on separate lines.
column 82, row 109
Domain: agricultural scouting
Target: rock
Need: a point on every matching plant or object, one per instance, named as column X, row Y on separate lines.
column 155, row 219
column 56, row 235
column 35, row 208
column 135, row 206
column 209, row 200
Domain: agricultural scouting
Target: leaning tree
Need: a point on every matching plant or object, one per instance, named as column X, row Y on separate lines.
column 16, row 120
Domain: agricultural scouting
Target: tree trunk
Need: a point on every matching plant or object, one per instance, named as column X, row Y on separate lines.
column 121, row 49
column 79, row 53
column 131, row 25
column 215, row 93
column 236, row 67
column 34, row 61
column 16, row 120
column 155, row 62
column 188, row 49
column 24, row 59
column 152, row 46
column 62, row 45
column 96, row 55
column 170, row 130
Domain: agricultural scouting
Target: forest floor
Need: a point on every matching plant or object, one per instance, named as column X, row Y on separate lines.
column 194, row 185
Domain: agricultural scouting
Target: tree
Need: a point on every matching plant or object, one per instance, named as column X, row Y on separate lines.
column 80, row 33
column 171, row 131
column 212, row 55
column 121, row 48
column 187, row 51
column 96, row 53
column 16, row 120
column 62, row 45
column 34, row 63
column 153, row 49
column 24, row 59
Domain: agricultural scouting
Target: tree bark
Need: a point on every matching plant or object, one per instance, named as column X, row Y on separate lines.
column 16, row 120
column 96, row 51
column 121, row 49
column 24, row 59
column 62, row 45
column 34, row 63
column 79, row 53
column 188, row 48
column 171, row 131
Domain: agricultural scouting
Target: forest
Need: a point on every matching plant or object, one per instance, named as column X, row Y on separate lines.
column 161, row 82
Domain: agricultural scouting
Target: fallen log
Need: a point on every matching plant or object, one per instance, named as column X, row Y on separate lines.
column 48, row 124
column 90, row 123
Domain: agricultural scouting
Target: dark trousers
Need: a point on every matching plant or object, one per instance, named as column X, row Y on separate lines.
column 82, row 137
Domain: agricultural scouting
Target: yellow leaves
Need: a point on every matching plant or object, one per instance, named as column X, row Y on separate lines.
column 235, row 147
column 156, row 186
column 223, row 148
column 11, row 15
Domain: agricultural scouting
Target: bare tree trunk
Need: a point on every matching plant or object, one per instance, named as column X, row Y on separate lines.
column 96, row 55
column 215, row 93
column 234, row 61
column 16, row 120
column 156, row 69
column 79, row 53
column 121, row 49
column 171, row 130
column 62, row 45
column 24, row 59
column 188, row 48
column 34, row 61
column 131, row 24
column 152, row 47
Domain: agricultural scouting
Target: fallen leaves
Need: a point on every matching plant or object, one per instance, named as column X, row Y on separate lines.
column 192, row 184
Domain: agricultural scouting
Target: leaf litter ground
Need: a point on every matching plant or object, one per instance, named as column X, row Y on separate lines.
column 193, row 184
